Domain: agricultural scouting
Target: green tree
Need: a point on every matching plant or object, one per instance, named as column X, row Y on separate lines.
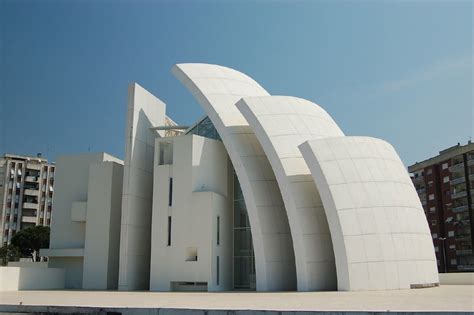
column 30, row 240
column 9, row 253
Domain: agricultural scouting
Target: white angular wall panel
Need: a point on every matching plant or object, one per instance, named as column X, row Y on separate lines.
column 281, row 123
column 380, row 235
column 144, row 111
column 217, row 89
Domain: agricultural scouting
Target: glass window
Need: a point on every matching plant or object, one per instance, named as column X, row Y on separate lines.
column 217, row 271
column 170, row 195
column 218, row 230
column 169, row 231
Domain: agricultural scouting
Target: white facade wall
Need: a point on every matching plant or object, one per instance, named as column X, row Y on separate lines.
column 281, row 123
column 217, row 89
column 77, row 180
column 378, row 227
column 200, row 193
column 143, row 112
column 102, row 244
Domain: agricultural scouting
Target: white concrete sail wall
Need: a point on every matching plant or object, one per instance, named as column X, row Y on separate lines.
column 378, row 227
column 144, row 111
column 281, row 123
column 217, row 89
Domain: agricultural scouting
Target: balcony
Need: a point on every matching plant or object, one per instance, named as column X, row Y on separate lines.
column 30, row 205
column 421, row 191
column 31, row 192
column 31, row 179
column 460, row 209
column 462, row 237
column 418, row 179
column 463, row 252
column 457, row 167
column 470, row 162
column 33, row 166
column 459, row 194
column 28, row 219
column 458, row 180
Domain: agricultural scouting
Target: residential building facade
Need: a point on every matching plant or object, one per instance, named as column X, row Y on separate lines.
column 26, row 193
column 445, row 185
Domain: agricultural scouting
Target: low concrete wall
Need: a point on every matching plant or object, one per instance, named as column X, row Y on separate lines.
column 39, row 264
column 457, row 278
column 31, row 278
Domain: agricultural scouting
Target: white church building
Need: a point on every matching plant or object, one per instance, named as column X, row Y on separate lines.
column 264, row 193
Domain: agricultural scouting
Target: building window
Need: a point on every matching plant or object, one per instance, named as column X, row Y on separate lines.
column 436, row 249
column 444, row 166
column 431, row 197
column 433, row 209
column 218, row 236
column 451, row 233
column 446, row 179
column 192, row 254
column 217, row 271
column 454, row 262
column 452, row 246
column 433, row 222
column 447, row 193
column 170, row 195
column 169, row 231
column 434, row 235
column 429, row 171
column 430, row 183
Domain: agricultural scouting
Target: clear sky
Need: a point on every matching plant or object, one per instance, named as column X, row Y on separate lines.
column 398, row 70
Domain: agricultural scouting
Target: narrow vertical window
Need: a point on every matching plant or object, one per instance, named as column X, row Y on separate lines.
column 170, row 196
column 169, row 231
column 217, row 271
column 218, row 230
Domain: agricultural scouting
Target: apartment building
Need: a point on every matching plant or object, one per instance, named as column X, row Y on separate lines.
column 26, row 193
column 445, row 185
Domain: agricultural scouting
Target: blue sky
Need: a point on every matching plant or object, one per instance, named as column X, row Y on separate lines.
column 398, row 70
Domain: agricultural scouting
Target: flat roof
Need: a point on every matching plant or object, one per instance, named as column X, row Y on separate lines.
column 443, row 155
column 457, row 298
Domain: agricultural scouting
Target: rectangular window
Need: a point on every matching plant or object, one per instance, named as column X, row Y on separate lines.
column 454, row 262
column 170, row 196
column 169, row 231
column 451, row 233
column 431, row 197
column 434, row 235
column 433, row 209
column 433, row 222
column 217, row 271
column 429, row 171
column 436, row 249
column 445, row 179
column 444, row 166
column 218, row 230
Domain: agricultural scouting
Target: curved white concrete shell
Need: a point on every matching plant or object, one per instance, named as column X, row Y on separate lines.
column 281, row 123
column 218, row 89
column 379, row 231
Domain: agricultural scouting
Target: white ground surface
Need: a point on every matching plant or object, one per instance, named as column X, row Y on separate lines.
column 444, row 298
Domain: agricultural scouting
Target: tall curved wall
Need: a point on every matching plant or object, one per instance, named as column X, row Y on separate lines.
column 217, row 89
column 281, row 123
column 379, row 231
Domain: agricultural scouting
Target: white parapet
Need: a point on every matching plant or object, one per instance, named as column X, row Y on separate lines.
column 31, row 278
